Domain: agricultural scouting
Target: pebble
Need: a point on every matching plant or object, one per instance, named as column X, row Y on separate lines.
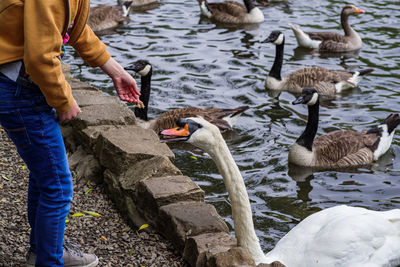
column 107, row 235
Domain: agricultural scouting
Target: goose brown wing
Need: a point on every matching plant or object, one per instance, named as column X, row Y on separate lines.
column 168, row 119
column 338, row 145
column 330, row 41
column 214, row 115
column 228, row 7
column 310, row 77
column 325, row 36
column 227, row 12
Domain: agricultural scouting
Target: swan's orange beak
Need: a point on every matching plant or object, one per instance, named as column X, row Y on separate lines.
column 178, row 131
column 358, row 11
column 175, row 134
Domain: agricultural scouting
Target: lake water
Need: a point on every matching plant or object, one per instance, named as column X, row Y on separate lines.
column 197, row 63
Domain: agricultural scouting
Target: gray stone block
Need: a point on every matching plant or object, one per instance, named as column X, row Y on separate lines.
column 79, row 85
column 118, row 148
column 181, row 220
column 234, row 257
column 103, row 114
column 199, row 249
column 87, row 98
column 154, row 167
column 157, row 192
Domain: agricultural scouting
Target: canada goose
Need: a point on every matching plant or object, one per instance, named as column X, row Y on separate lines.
column 141, row 3
column 340, row 148
column 337, row 236
column 330, row 41
column 223, row 118
column 104, row 17
column 325, row 81
column 231, row 12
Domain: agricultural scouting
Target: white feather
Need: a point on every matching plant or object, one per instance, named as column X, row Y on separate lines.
column 313, row 100
column 273, row 83
column 384, row 142
column 342, row 236
column 304, row 39
column 355, row 79
column 145, row 70
column 204, row 10
column 255, row 16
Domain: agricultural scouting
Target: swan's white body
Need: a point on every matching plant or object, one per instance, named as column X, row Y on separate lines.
column 338, row 236
column 342, row 236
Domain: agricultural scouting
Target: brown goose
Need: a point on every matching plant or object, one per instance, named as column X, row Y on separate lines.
column 325, row 81
column 330, row 41
column 231, row 12
column 104, row 17
column 340, row 148
column 222, row 118
column 142, row 4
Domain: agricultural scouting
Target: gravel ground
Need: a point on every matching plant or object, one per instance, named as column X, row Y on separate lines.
column 108, row 235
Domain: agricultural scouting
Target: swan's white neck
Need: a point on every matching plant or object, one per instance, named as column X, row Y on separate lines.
column 241, row 210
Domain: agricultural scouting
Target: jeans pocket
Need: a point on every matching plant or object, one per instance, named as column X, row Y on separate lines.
column 13, row 124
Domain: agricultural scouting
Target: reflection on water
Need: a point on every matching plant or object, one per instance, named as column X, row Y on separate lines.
column 198, row 63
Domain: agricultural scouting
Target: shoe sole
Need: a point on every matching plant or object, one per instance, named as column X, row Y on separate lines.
column 92, row 264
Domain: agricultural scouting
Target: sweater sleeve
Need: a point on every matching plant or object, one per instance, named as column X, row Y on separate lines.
column 90, row 48
column 43, row 20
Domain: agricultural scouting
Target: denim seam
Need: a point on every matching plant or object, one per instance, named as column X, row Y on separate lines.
column 52, row 159
column 25, row 130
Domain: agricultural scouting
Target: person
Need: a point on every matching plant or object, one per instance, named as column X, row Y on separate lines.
column 35, row 97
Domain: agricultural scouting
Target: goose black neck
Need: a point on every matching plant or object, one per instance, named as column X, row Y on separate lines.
column 249, row 5
column 144, row 96
column 307, row 137
column 277, row 66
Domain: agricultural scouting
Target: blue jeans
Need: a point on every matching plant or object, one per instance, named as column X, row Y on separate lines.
column 33, row 127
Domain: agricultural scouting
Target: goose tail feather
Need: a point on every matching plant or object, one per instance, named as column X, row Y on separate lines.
column 357, row 76
column 303, row 39
column 126, row 7
column 366, row 71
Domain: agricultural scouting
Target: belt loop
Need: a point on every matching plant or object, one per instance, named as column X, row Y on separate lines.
column 18, row 91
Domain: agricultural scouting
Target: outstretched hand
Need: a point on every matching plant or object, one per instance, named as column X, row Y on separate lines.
column 123, row 82
column 126, row 87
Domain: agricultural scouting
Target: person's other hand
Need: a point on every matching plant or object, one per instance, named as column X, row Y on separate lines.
column 69, row 114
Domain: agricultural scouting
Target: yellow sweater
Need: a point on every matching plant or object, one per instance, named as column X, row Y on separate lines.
column 33, row 30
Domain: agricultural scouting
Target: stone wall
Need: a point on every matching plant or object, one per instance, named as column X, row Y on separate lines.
column 106, row 145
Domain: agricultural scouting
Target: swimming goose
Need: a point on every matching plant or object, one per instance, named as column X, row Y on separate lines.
column 231, row 12
column 325, row 81
column 330, row 41
column 104, row 17
column 223, row 118
column 336, row 236
column 340, row 148
column 139, row 4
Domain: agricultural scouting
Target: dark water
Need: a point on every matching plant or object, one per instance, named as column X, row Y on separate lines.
column 200, row 64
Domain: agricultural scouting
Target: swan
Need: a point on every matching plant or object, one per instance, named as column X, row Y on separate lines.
column 231, row 12
column 336, row 236
column 331, row 41
column 340, row 148
column 325, row 81
column 224, row 118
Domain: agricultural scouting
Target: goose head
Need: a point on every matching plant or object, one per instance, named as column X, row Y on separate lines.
column 142, row 67
column 351, row 10
column 275, row 37
column 195, row 130
column 309, row 96
column 392, row 121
